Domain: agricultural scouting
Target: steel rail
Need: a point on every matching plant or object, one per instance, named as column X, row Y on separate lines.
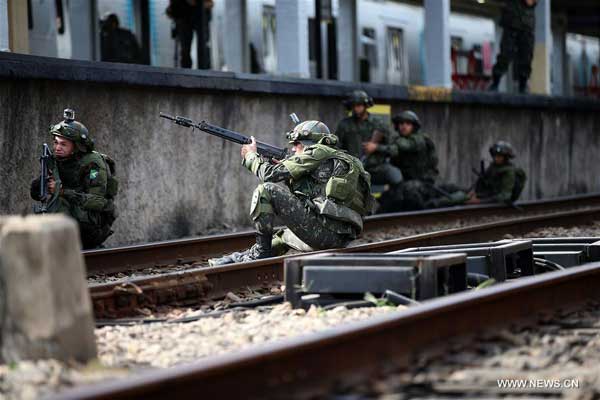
column 171, row 252
column 201, row 284
column 310, row 365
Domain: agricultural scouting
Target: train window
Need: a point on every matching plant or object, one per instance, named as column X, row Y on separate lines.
column 397, row 66
column 369, row 43
column 268, row 36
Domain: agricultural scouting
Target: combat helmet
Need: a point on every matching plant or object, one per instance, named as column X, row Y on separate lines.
column 503, row 148
column 408, row 116
column 74, row 131
column 358, row 97
column 311, row 132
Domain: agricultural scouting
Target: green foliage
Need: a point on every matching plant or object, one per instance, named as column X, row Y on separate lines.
column 379, row 302
column 486, row 283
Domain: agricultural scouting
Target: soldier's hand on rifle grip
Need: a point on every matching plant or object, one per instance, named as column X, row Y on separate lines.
column 51, row 185
column 249, row 148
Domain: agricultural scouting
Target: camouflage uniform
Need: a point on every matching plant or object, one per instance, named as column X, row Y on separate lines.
column 518, row 22
column 87, row 188
column 415, row 155
column 497, row 183
column 500, row 183
column 353, row 132
column 327, row 194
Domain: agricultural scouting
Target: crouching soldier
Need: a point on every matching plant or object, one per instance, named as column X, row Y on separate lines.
column 81, row 182
column 323, row 205
column 502, row 181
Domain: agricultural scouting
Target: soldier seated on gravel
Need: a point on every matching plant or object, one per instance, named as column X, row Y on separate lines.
column 502, row 181
column 414, row 153
column 323, row 205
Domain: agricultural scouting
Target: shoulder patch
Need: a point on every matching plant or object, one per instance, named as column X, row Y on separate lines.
column 93, row 174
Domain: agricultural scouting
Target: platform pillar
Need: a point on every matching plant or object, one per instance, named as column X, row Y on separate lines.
column 438, row 68
column 540, row 66
column 292, row 38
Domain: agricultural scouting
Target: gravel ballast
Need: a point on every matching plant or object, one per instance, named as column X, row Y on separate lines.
column 124, row 350
column 557, row 358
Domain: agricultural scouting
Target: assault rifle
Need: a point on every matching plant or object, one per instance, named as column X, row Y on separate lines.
column 47, row 170
column 263, row 149
column 480, row 175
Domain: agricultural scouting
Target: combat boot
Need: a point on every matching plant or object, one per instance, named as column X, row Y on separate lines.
column 262, row 249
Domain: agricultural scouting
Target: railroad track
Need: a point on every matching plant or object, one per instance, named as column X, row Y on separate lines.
column 198, row 285
column 173, row 252
column 313, row 364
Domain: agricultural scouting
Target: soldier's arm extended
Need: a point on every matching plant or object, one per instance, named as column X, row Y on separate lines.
column 93, row 198
column 292, row 167
column 387, row 146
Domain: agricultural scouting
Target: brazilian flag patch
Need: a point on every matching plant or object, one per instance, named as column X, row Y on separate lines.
column 93, row 174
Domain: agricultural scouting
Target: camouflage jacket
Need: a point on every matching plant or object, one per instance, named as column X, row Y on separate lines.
column 352, row 133
column 518, row 15
column 497, row 183
column 307, row 175
column 84, row 181
column 415, row 156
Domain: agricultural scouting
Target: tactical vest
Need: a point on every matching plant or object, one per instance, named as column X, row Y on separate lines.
column 354, row 133
column 520, row 179
column 490, row 183
column 421, row 164
column 346, row 197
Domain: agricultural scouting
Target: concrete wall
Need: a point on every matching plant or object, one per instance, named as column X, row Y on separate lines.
column 176, row 183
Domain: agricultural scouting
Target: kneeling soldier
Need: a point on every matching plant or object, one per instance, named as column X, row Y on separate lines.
column 86, row 182
column 323, row 205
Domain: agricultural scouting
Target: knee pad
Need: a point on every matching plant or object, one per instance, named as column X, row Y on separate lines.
column 261, row 200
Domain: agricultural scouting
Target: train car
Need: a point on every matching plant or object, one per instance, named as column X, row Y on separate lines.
column 391, row 48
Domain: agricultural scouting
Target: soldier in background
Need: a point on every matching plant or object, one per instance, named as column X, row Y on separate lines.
column 323, row 205
column 191, row 16
column 88, row 185
column 366, row 138
column 118, row 44
column 502, row 181
column 415, row 155
column 518, row 22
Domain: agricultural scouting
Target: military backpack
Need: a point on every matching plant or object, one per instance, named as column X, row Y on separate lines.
column 520, row 179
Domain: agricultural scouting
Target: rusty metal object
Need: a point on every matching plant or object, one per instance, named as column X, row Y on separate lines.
column 204, row 284
column 311, row 364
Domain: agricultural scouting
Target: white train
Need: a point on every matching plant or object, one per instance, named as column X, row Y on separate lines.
column 390, row 51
